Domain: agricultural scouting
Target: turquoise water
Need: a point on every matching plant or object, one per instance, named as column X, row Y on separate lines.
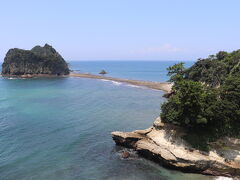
column 59, row 128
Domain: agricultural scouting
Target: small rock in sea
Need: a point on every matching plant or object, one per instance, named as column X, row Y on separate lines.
column 125, row 154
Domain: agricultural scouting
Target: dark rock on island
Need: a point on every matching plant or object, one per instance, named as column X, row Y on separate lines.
column 37, row 61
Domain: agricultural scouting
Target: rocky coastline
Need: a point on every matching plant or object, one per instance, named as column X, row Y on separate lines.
column 29, row 76
column 163, row 144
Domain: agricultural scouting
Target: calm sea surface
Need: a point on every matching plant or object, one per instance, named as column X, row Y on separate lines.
column 140, row 70
column 59, row 128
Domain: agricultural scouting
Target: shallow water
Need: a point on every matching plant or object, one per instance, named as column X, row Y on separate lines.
column 59, row 128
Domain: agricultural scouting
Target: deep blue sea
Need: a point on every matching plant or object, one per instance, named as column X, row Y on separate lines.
column 59, row 128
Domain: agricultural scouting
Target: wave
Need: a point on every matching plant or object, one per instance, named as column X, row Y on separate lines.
column 117, row 83
column 122, row 84
column 113, row 82
column 135, row 86
column 104, row 80
column 125, row 84
column 14, row 78
column 223, row 178
column 133, row 154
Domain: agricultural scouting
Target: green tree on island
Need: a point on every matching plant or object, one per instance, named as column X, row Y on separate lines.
column 176, row 72
column 103, row 72
column 205, row 99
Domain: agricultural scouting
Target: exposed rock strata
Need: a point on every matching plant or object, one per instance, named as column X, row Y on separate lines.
column 163, row 144
column 38, row 61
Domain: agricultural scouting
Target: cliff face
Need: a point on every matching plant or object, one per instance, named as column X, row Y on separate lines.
column 38, row 60
column 163, row 144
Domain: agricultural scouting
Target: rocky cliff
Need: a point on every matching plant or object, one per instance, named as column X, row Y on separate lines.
column 163, row 144
column 39, row 60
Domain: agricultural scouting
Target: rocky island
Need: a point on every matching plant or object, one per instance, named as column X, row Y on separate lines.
column 39, row 61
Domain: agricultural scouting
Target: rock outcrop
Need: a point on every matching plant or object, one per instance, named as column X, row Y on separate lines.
column 37, row 61
column 163, row 144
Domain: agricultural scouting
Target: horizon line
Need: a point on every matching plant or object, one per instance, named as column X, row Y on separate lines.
column 101, row 60
column 150, row 60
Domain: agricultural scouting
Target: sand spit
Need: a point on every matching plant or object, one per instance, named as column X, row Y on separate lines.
column 164, row 86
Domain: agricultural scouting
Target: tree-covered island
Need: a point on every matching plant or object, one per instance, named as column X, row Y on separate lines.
column 37, row 61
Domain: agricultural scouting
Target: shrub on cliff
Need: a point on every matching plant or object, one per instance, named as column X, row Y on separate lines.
column 229, row 108
column 187, row 106
column 176, row 72
column 205, row 111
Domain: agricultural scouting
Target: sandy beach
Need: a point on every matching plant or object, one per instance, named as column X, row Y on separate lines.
column 164, row 86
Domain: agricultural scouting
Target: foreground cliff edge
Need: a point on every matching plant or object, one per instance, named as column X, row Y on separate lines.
column 39, row 61
column 163, row 144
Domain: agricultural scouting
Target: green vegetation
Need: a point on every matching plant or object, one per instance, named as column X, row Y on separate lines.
column 38, row 60
column 214, row 69
column 206, row 98
column 176, row 72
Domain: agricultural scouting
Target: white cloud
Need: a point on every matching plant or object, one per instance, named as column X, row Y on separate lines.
column 165, row 48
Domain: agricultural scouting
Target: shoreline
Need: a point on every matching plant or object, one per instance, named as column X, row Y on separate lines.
column 32, row 76
column 163, row 143
column 164, row 86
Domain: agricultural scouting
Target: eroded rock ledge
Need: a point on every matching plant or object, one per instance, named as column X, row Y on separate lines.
column 163, row 144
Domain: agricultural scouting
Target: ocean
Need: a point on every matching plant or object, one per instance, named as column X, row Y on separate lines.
column 59, row 128
column 139, row 70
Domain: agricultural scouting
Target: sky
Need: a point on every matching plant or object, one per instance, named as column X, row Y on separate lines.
column 122, row 29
